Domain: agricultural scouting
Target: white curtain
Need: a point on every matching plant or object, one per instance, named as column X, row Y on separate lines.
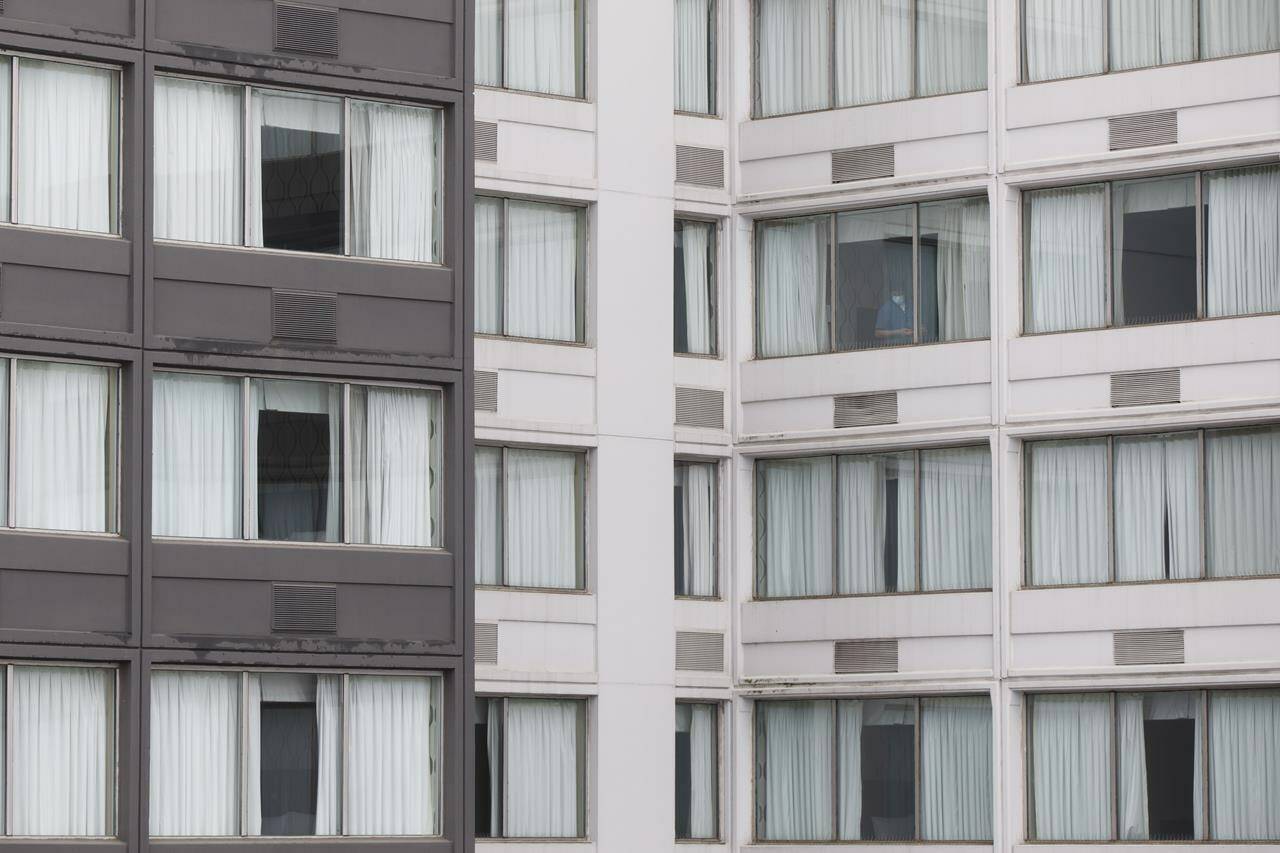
column 695, row 56
column 5, row 497
column 1152, row 32
column 794, row 546
column 956, row 789
column 63, row 760
column 542, row 519
column 542, row 768
column 1065, row 38
column 488, row 261
column 488, row 516
column 1242, row 265
column 489, row 42
column 794, row 775
column 793, row 56
column 698, row 720
column 1066, row 259
column 67, row 140
column 329, row 740
column 873, row 51
column 865, row 522
column 1243, row 495
column 395, row 447
column 1244, row 765
column 1238, row 26
column 392, row 773
column 6, row 133
column 542, row 271
column 697, row 481
column 65, row 461
column 540, row 46
column 697, row 253
column 1132, row 712
column 952, row 52
column 963, row 266
column 1157, row 506
column 395, row 194
column 1143, row 197
column 493, row 743
column 196, row 462
column 791, row 302
column 955, row 518
column 195, row 747
column 1068, row 506
column 849, row 721
column 1071, row 767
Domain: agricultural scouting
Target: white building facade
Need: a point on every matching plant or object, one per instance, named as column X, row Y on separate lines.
column 932, row 495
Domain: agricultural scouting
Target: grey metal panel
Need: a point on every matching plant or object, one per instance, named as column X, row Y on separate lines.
column 859, row 410
column 487, row 643
column 1132, row 648
column 487, row 141
column 860, row 164
column 486, row 385
column 304, row 316
column 47, row 601
column 111, row 21
column 304, row 608
column 700, row 407
column 699, row 651
column 1143, row 130
column 700, row 166
column 860, row 656
column 1146, row 387
column 307, row 29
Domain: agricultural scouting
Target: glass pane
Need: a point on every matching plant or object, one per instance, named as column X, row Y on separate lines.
column 1066, row 259
column 793, row 44
column 297, row 189
column 395, row 466
column 196, row 458
column 955, row 270
column 1152, row 32
column 395, row 182
column 489, row 761
column 544, row 780
column 1064, row 38
column 952, row 51
column 195, row 766
column 489, row 266
column 1160, row 751
column 956, row 789
column 488, row 520
column 877, row 770
column 695, row 280
column 695, row 72
column 199, row 161
column 541, row 46
column 1071, row 776
column 794, row 517
column 543, row 519
column 1067, row 493
column 873, row 51
column 542, row 283
column 1154, row 250
column 295, row 452
column 1157, row 506
column 1243, row 496
column 489, row 42
column 1238, row 26
column 6, row 133
column 955, row 518
column 1242, row 241
column 697, row 771
column 68, row 141
column 877, row 523
column 791, row 287
column 1244, row 752
column 794, row 765
column 5, row 367
column 874, row 298
column 695, row 526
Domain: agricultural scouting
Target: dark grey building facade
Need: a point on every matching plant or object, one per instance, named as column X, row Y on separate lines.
column 235, row 322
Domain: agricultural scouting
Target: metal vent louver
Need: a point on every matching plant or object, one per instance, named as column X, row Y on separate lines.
column 1146, row 388
column 702, row 167
column 486, row 385
column 1148, row 647
column 854, row 656
column 1143, row 130
column 700, row 407
column 859, row 410
column 487, row 643
column 699, row 651
column 861, row 164
column 304, row 316
column 487, row 141
column 304, row 608
column 306, row 29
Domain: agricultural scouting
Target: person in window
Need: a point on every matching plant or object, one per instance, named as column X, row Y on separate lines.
column 894, row 321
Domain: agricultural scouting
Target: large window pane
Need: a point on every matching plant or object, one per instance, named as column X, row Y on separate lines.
column 794, row 536
column 1151, row 32
column 395, row 466
column 794, row 771
column 395, row 191
column 1064, row 38
column 793, row 40
column 952, row 52
column 488, row 516
column 791, row 299
column 875, row 295
column 1238, row 26
column 196, row 460
column 1071, row 743
column 1242, row 226
column 697, row 771
column 695, row 287
column 1157, row 507
column 877, row 523
column 488, row 42
column 695, row 72
column 696, row 496
column 873, row 51
column 877, row 743
column 955, row 518
column 1154, row 250
column 542, row 774
column 1066, row 259
column 542, row 284
column 1244, row 764
column 955, row 270
column 541, row 46
column 956, row 790
column 489, row 266
column 1243, row 497
column 542, row 494
column 1159, row 748
column 1067, row 490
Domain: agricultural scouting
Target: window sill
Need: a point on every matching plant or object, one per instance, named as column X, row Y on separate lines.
column 833, row 109
column 864, row 595
column 1128, row 584
column 290, row 253
column 575, row 99
column 64, row 232
column 1113, row 73
column 541, row 590
column 486, row 336
column 911, row 346
column 277, row 543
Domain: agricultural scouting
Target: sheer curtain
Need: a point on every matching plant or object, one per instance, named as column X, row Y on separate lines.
column 63, row 743
column 955, row 769
column 795, row 770
column 540, row 48
column 488, row 516
column 542, row 769
column 791, row 302
column 195, row 747
column 1238, row 26
column 793, row 56
column 62, row 429
column 488, row 266
column 1152, row 32
column 1066, row 259
column 963, row 266
column 395, row 192
column 392, row 773
column 1132, row 712
column 1242, row 263
column 5, row 366
column 395, row 452
column 695, row 56
column 489, row 42
column 697, row 253
column 1244, row 764
column 849, row 720
column 67, row 140
column 6, row 133
column 794, row 547
column 542, row 519
column 873, row 51
column 329, row 754
column 1243, row 497
column 877, row 523
column 1065, row 38
column 697, row 481
column 196, row 462
column 1157, row 507
column 542, row 271
column 199, row 161
column 952, row 51
column 955, row 518
column 1068, row 507
column 1071, row 767
column 704, row 770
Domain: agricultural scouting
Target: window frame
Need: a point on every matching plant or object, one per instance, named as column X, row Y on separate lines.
column 718, row 489
column 713, row 72
column 719, row 707
column 439, row 241
column 581, row 63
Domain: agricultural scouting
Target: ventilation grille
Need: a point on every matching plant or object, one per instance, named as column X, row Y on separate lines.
column 487, row 643
column 304, row 608
column 703, row 167
column 1139, row 647
column 1146, row 388
column 854, row 656
column 699, row 651
column 304, row 316
column 858, row 410
column 1143, row 130
column 487, row 141
column 700, row 407
column 307, row 29
column 860, row 164
column 486, row 385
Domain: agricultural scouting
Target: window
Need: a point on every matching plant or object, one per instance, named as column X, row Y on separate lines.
column 236, row 457
column 59, row 723
column 529, row 518
column 1132, row 766
column 530, row 262
column 1073, row 38
column 846, row 770
column 531, row 45
column 695, row 73
column 1155, row 273
column 59, row 429
column 531, row 768
column 864, row 279
column 697, row 520
column 820, row 54
column 309, row 173
column 696, row 286
column 290, row 754
column 1127, row 509
column 849, row 525
column 697, row 770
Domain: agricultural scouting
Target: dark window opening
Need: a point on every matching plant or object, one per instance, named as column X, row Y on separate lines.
column 888, row 783
column 929, row 308
column 684, row 785
column 891, row 534
column 293, row 476
column 679, row 540
column 1157, row 267
column 488, row 746
column 682, row 316
column 290, row 768
column 874, row 294
column 302, row 190
column 1171, row 779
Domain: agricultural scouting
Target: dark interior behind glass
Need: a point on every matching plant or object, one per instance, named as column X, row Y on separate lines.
column 1171, row 778
column 1157, row 280
column 888, row 783
column 302, row 190
column 290, row 768
column 293, row 476
column 874, row 298
column 488, row 774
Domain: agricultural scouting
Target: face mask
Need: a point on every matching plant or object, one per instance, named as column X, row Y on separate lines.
column 898, row 299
